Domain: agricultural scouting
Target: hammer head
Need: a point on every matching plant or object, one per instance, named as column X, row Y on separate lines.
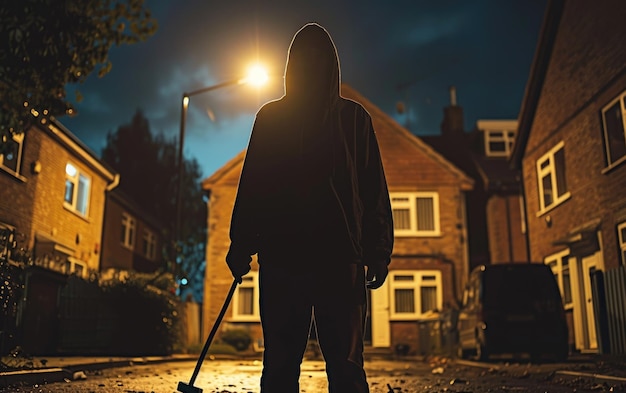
column 187, row 388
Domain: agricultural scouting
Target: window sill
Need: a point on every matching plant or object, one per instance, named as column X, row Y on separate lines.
column 16, row 175
column 614, row 165
column 563, row 199
column 78, row 214
column 254, row 318
column 421, row 235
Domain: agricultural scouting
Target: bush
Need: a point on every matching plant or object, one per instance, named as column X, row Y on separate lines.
column 240, row 339
column 149, row 320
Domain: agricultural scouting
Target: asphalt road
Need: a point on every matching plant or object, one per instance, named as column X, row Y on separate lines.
column 385, row 376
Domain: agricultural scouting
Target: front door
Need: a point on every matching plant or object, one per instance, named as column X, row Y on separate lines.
column 381, row 335
column 589, row 265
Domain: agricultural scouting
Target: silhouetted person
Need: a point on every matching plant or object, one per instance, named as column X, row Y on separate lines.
column 313, row 203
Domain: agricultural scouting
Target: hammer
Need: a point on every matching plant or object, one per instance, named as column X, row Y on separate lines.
column 188, row 387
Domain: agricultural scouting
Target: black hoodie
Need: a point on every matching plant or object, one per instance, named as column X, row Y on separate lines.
column 312, row 182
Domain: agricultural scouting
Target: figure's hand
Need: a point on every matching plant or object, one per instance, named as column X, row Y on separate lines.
column 238, row 263
column 376, row 275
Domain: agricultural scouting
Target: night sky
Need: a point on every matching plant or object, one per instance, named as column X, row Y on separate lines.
column 390, row 51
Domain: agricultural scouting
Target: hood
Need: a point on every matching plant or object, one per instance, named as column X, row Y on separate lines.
column 312, row 71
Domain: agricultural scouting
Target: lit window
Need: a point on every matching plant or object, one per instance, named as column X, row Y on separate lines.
column 246, row 299
column 614, row 130
column 559, row 263
column 415, row 214
column 11, row 161
column 551, row 178
column 77, row 188
column 415, row 293
column 621, row 235
column 149, row 245
column 128, row 231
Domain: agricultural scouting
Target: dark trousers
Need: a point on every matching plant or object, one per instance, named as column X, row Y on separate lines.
column 290, row 298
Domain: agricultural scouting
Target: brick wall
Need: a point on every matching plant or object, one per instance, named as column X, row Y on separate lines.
column 33, row 202
column 587, row 70
column 504, row 224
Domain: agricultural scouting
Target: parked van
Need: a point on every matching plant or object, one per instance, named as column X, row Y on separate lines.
column 512, row 309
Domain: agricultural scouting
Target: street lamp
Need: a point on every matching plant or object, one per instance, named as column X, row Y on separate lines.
column 256, row 76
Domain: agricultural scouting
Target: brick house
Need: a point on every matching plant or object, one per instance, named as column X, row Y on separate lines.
column 52, row 193
column 52, row 196
column 430, row 257
column 495, row 224
column 132, row 238
column 571, row 152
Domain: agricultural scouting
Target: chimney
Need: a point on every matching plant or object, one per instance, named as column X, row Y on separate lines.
column 452, row 124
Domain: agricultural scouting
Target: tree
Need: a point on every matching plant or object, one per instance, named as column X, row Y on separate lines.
column 148, row 174
column 47, row 44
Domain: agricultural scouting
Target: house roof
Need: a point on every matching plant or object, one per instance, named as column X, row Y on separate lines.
column 405, row 156
column 53, row 126
column 535, row 82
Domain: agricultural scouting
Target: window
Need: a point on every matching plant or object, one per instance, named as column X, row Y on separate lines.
column 621, row 238
column 551, row 178
column 77, row 188
column 12, row 160
column 246, row 299
column 128, row 231
column 559, row 263
column 499, row 143
column 415, row 214
column 414, row 293
column 614, row 129
column 74, row 266
column 149, row 244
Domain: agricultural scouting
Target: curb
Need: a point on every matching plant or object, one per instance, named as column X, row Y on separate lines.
column 58, row 374
column 33, row 377
column 610, row 378
column 562, row 373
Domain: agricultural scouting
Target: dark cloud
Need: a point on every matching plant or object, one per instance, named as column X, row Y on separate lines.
column 391, row 51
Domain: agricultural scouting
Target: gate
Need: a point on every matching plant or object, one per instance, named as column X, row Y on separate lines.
column 610, row 295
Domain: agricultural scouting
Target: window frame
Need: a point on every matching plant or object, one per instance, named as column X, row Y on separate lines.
column 550, row 170
column 621, row 98
column 621, row 241
column 250, row 280
column 75, row 266
column 504, row 136
column 129, row 231
column 411, row 205
column 149, row 244
column 75, row 180
column 19, row 141
column 555, row 262
column 416, row 285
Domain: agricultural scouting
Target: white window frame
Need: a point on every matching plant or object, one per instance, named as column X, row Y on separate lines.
column 611, row 161
column 75, row 266
column 249, row 281
column 408, row 200
column 555, row 262
column 417, row 282
column 621, row 238
column 551, row 171
column 506, row 137
column 129, row 231
column 81, row 187
column 19, row 140
column 149, row 244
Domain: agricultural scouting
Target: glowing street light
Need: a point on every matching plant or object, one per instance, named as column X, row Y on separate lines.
column 256, row 76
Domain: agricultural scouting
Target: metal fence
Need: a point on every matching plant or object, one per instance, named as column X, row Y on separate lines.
column 610, row 305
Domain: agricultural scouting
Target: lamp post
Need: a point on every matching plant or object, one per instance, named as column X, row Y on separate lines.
column 256, row 76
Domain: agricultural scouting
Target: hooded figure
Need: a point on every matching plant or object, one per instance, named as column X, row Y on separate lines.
column 313, row 203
